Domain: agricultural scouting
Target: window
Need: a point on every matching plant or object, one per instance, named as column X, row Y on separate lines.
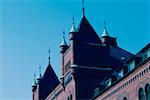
column 131, row 65
column 141, row 94
column 96, row 91
column 120, row 74
column 147, row 91
column 108, row 82
column 146, row 54
column 125, row 98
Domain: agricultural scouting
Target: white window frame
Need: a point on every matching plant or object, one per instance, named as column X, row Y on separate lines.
column 108, row 82
column 131, row 65
column 120, row 73
column 146, row 54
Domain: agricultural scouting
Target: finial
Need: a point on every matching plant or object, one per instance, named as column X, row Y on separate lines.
column 105, row 33
column 39, row 76
column 34, row 80
column 73, row 28
column 34, row 76
column 73, row 19
column 39, row 69
column 83, row 9
column 104, row 24
column 64, row 34
column 63, row 43
column 49, row 56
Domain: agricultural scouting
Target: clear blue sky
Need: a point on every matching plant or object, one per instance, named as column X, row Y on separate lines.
column 29, row 27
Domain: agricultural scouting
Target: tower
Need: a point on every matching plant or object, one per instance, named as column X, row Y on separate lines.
column 106, row 39
column 73, row 33
column 46, row 83
column 85, row 62
column 63, row 47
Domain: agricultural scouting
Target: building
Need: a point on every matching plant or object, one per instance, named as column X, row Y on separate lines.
column 134, row 84
column 95, row 67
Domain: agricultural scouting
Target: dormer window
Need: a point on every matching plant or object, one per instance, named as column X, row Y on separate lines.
column 108, row 82
column 120, row 73
column 131, row 65
column 96, row 91
column 146, row 54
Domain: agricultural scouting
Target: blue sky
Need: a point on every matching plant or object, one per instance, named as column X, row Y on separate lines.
column 28, row 28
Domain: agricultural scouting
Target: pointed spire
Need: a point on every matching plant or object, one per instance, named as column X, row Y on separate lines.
column 49, row 56
column 73, row 28
column 105, row 33
column 83, row 9
column 39, row 75
column 63, row 43
column 34, row 81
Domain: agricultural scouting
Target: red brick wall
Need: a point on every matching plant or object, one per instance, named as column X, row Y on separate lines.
column 60, row 94
column 129, row 86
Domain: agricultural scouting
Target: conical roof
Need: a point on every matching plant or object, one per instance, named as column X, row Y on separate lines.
column 86, row 33
column 49, row 81
column 63, row 42
column 34, row 83
column 39, row 76
column 105, row 33
column 73, row 28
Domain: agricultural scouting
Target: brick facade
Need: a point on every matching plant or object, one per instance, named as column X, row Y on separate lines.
column 129, row 86
column 90, row 68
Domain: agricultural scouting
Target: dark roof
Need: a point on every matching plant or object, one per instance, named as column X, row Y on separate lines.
column 86, row 33
column 143, row 50
column 89, row 51
column 137, row 66
column 118, row 56
column 49, row 82
column 101, row 56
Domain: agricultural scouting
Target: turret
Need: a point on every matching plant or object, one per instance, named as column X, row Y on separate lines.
column 63, row 45
column 106, row 39
column 63, row 48
column 34, row 84
column 39, row 76
column 73, row 33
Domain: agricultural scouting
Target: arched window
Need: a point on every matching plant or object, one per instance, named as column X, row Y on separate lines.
column 125, row 98
column 141, row 94
column 147, row 91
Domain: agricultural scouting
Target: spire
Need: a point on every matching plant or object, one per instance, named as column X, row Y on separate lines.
column 39, row 75
column 49, row 56
column 87, row 32
column 34, row 81
column 83, row 9
column 105, row 33
column 73, row 28
column 63, row 43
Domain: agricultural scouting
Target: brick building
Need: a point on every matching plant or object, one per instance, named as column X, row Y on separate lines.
column 134, row 84
column 95, row 67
